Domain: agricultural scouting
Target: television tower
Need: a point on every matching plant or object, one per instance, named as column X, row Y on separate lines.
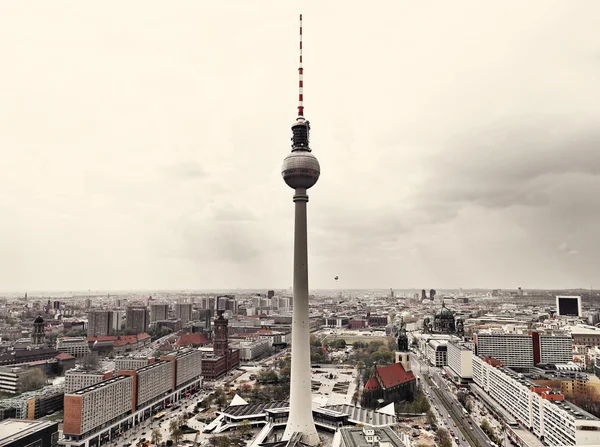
column 300, row 171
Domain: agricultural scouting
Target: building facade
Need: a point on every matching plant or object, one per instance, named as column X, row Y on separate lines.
column 544, row 412
column 75, row 346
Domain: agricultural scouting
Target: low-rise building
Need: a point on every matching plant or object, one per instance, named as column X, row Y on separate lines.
column 252, row 349
column 23, row 433
column 76, row 346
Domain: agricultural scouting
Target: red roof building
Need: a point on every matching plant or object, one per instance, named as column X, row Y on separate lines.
column 387, row 384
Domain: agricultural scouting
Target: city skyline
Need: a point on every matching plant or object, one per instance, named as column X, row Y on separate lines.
column 140, row 155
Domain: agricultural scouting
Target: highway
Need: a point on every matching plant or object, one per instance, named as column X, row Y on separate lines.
column 448, row 407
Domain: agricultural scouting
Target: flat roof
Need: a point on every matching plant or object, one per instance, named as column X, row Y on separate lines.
column 13, row 429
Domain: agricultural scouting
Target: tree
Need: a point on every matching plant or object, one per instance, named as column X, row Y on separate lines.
column 443, row 438
column 156, row 436
column 32, row 379
column 245, row 428
column 355, row 397
column 224, row 441
column 431, row 419
column 175, row 429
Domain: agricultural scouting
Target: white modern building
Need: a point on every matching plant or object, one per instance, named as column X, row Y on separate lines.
column 460, row 360
column 513, row 350
column 539, row 409
column 251, row 349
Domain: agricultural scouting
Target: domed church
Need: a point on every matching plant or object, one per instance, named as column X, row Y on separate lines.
column 444, row 322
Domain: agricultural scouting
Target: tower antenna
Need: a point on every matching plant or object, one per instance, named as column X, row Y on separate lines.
column 300, row 80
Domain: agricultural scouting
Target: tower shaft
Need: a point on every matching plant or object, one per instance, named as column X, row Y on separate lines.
column 301, row 419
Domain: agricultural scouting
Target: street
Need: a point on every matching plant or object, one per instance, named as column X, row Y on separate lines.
column 449, row 410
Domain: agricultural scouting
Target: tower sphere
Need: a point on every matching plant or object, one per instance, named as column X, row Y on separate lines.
column 300, row 169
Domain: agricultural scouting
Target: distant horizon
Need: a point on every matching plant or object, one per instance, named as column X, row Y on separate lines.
column 31, row 293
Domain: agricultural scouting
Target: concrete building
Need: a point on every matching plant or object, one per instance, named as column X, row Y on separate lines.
column 138, row 318
column 78, row 378
column 96, row 414
column 90, row 408
column 76, row 346
column 34, row 404
column 513, row 350
column 100, row 323
column 553, row 348
column 252, row 349
column 159, row 311
column 460, row 360
column 131, row 362
column 23, row 433
column 151, row 383
column 183, row 312
column 370, row 436
column 542, row 411
column 9, row 379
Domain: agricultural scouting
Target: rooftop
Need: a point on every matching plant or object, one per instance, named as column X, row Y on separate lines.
column 14, row 429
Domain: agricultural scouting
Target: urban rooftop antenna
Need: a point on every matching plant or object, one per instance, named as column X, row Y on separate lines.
column 300, row 80
column 301, row 128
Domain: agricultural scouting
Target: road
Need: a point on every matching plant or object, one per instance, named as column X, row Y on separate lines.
column 450, row 411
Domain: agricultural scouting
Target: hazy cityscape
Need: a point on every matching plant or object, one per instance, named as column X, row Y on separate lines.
column 186, row 263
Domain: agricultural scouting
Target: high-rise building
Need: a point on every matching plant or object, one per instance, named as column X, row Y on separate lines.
column 301, row 170
column 159, row 311
column 100, row 323
column 513, row 350
column 38, row 335
column 270, row 294
column 183, row 312
column 569, row 306
column 423, row 295
column 525, row 350
column 138, row 318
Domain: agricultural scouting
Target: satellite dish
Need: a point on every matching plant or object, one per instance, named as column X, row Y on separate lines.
column 336, row 278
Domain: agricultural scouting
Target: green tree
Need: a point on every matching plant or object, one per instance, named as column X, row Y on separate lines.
column 431, row 419
column 175, row 429
column 32, row 379
column 224, row 441
column 443, row 438
column 245, row 428
column 156, row 436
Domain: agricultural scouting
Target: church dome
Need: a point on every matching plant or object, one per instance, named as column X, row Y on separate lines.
column 445, row 314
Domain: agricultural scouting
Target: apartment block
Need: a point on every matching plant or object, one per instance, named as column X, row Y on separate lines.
column 553, row 348
column 75, row 346
column 159, row 311
column 90, row 408
column 544, row 412
column 183, row 312
column 153, row 381
column 460, row 359
column 131, row 363
column 188, row 365
column 100, row 323
column 513, row 350
column 76, row 379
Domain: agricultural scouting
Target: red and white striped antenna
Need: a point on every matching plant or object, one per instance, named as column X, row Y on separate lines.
column 301, row 80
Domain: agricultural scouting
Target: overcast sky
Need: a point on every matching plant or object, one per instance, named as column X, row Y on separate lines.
column 142, row 142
